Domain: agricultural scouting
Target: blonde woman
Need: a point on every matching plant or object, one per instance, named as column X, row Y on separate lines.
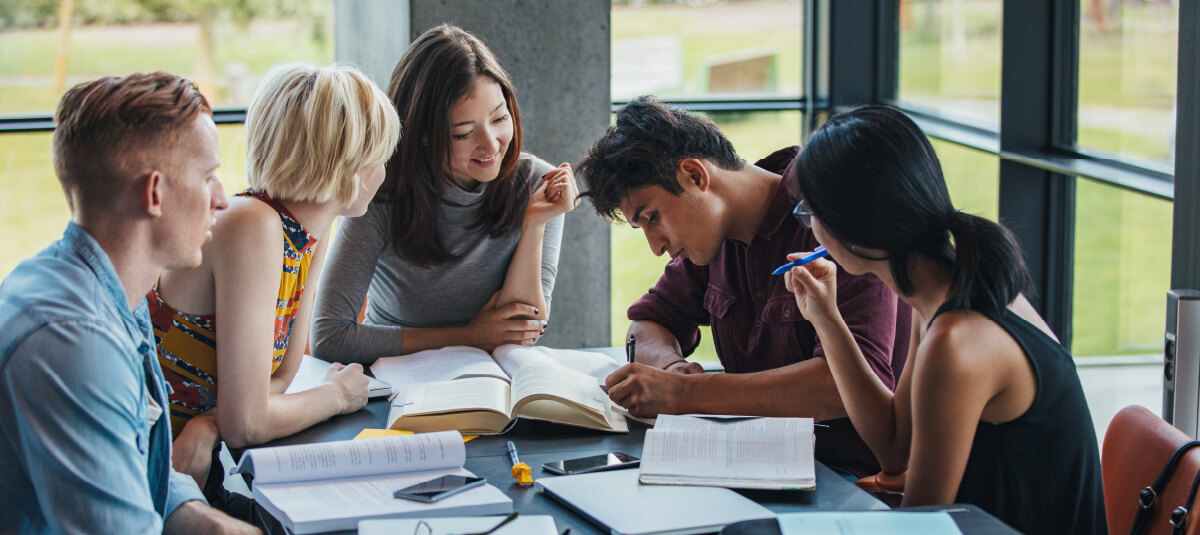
column 317, row 140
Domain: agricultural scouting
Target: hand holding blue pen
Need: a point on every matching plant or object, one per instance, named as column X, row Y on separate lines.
column 819, row 252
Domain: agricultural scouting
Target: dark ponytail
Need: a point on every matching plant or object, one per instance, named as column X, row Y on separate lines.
column 873, row 181
column 989, row 269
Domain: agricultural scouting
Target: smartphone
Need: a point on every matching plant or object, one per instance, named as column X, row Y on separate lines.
column 595, row 463
column 436, row 489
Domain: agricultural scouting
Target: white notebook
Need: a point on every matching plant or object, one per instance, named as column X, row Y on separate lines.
column 732, row 452
column 617, row 501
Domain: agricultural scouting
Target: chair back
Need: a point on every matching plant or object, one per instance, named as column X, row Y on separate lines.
column 1137, row 446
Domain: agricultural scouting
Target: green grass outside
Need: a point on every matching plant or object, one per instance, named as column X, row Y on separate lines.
column 707, row 31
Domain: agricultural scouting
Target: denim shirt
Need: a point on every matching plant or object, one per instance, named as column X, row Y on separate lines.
column 78, row 452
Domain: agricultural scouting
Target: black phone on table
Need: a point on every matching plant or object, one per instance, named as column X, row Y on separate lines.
column 436, row 489
column 595, row 463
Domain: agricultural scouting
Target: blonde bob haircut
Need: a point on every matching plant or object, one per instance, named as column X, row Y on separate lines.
column 310, row 129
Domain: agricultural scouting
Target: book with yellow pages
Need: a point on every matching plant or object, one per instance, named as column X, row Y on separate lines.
column 731, row 452
column 474, row 392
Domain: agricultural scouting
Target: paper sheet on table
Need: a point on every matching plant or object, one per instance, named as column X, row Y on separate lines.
column 868, row 522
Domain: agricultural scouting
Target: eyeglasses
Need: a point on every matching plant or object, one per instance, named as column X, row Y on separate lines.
column 802, row 215
column 423, row 528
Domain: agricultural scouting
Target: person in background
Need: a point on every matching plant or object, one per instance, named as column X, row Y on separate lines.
column 317, row 139
column 989, row 409
column 461, row 245
column 85, row 445
column 727, row 225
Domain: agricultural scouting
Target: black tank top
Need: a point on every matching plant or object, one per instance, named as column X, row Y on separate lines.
column 1039, row 473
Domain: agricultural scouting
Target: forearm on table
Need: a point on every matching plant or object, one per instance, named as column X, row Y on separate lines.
column 419, row 339
column 284, row 414
column 803, row 389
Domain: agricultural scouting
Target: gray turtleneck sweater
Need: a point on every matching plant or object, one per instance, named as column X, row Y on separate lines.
column 363, row 261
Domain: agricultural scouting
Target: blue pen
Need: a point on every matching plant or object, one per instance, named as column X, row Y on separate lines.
column 819, row 252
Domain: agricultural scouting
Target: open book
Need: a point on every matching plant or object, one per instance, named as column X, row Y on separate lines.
column 466, row 389
column 330, row 486
column 738, row 453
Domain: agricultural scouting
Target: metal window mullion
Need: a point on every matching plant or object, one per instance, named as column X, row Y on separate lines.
column 1037, row 205
column 1185, row 242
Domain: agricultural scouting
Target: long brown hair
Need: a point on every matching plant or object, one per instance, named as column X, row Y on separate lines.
column 436, row 71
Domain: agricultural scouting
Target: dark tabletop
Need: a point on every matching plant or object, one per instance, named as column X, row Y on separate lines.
column 541, row 442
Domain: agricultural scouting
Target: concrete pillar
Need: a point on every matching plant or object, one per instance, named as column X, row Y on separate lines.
column 372, row 35
column 557, row 53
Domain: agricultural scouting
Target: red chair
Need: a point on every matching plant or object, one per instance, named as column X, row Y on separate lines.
column 1137, row 445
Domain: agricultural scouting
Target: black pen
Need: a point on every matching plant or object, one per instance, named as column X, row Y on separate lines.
column 630, row 346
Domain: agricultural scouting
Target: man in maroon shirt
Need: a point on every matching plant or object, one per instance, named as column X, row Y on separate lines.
column 727, row 225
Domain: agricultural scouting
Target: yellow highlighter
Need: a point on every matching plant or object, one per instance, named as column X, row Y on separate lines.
column 520, row 470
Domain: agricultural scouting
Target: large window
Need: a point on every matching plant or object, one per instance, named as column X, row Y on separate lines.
column 973, row 178
column 1122, row 270
column 225, row 47
column 706, row 49
column 1127, row 61
column 950, row 57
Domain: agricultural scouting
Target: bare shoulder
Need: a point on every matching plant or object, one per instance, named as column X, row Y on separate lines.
column 959, row 344
column 247, row 222
column 246, row 232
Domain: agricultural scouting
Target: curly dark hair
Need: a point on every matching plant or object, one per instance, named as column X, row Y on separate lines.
column 644, row 149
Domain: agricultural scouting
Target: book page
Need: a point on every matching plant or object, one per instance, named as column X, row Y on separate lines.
column 514, row 357
column 758, row 448
column 559, row 382
column 457, row 395
column 354, row 458
column 436, row 365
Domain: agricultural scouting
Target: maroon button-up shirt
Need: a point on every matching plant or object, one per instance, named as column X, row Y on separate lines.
column 755, row 323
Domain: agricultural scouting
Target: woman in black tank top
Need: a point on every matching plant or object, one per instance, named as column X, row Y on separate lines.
column 988, row 409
